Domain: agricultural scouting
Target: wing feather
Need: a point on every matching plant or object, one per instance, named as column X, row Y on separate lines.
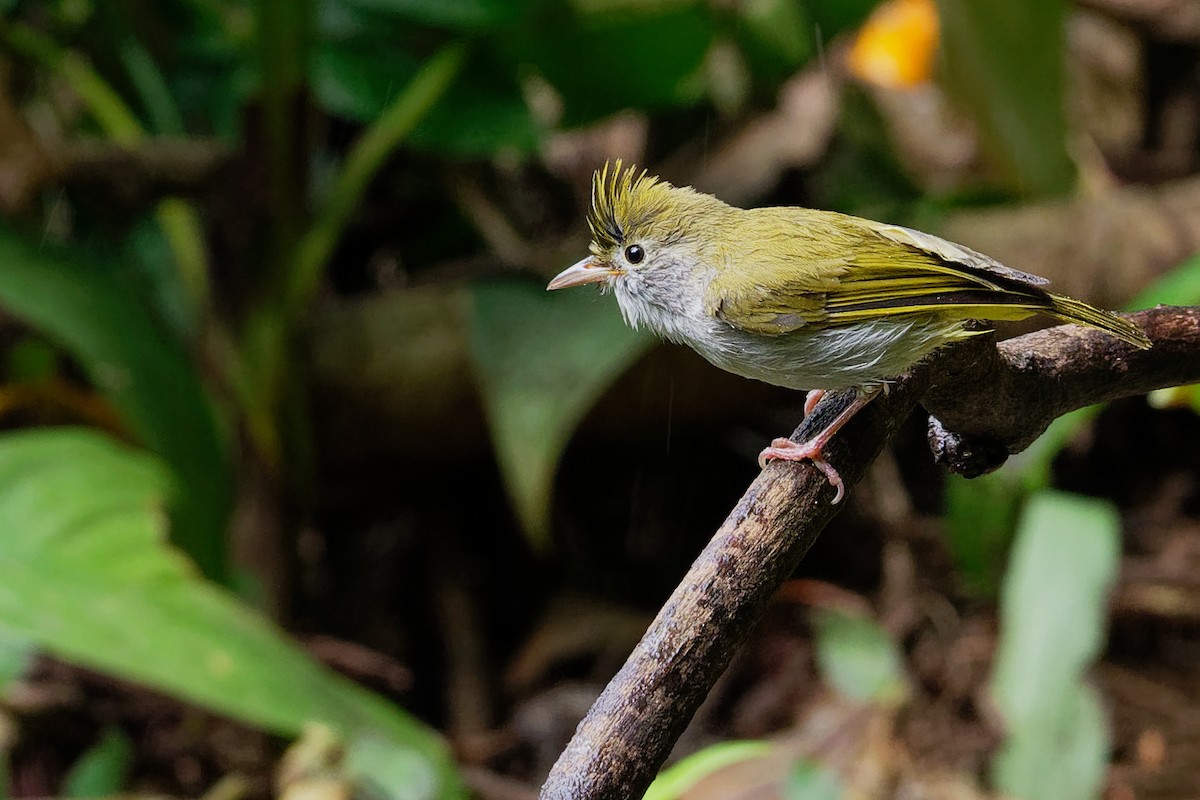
column 830, row 270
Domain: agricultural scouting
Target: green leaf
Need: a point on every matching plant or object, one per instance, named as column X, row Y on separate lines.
column 1179, row 287
column 981, row 513
column 103, row 769
column 678, row 779
column 1005, row 64
column 811, row 780
column 85, row 574
column 1053, row 603
column 775, row 36
column 16, row 656
column 1065, row 759
column 542, row 360
column 647, row 56
column 481, row 113
column 31, row 359
column 858, row 658
column 80, row 305
column 456, row 14
column 834, row 17
column 1052, row 617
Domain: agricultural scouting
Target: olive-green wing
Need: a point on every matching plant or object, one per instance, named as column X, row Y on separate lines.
column 831, row 270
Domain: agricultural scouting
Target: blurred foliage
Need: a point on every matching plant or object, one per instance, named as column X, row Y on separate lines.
column 676, row 780
column 87, row 577
column 811, row 780
column 535, row 404
column 1016, row 100
column 981, row 514
column 1053, row 619
column 858, row 658
column 102, row 770
column 96, row 316
column 203, row 362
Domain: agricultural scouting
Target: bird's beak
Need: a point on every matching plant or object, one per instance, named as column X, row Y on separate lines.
column 579, row 273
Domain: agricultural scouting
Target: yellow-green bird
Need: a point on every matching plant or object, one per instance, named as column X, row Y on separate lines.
column 798, row 297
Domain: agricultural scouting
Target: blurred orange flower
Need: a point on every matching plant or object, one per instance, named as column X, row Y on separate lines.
column 896, row 46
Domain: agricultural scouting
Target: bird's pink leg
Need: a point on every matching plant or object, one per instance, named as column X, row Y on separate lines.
column 811, row 399
column 787, row 450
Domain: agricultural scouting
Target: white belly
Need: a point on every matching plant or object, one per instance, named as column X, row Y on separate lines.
column 859, row 355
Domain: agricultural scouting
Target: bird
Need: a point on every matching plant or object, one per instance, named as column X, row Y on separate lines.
column 801, row 298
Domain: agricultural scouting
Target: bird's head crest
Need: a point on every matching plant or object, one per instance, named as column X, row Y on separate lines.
column 624, row 201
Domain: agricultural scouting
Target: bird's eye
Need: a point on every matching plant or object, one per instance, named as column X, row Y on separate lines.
column 634, row 254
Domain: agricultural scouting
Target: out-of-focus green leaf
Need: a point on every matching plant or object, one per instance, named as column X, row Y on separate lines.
column 981, row 513
column 16, row 655
column 1004, row 62
column 85, row 574
column 833, row 17
column 379, row 769
column 178, row 219
column 1052, row 616
column 1179, row 287
column 102, row 770
column 542, row 359
column 980, row 518
column 674, row 781
column 459, row 14
column 1065, row 761
column 775, row 36
column 647, row 56
column 858, row 658
column 482, row 112
column 812, row 780
column 78, row 304
column 31, row 359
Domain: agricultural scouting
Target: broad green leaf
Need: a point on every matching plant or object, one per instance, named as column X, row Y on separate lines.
column 85, row 573
column 811, row 780
column 647, row 56
column 1052, row 617
column 1064, row 759
column 458, row 14
column 1004, row 62
column 80, row 305
column 542, row 360
column 1052, row 610
column 482, row 112
column 678, row 779
column 1179, row 287
column 858, row 658
column 102, row 770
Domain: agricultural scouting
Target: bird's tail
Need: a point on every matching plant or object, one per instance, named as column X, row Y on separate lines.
column 1072, row 310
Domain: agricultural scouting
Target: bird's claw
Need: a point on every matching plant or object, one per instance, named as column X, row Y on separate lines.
column 787, row 450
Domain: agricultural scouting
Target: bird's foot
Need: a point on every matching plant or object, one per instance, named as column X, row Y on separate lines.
column 812, row 399
column 787, row 450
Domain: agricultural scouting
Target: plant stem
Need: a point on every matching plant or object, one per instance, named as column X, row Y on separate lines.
column 178, row 220
column 364, row 160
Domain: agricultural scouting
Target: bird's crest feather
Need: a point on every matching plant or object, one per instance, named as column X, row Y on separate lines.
column 622, row 198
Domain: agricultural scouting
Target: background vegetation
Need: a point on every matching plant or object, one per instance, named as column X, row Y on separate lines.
column 307, row 485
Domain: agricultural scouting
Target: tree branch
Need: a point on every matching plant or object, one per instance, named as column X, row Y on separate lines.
column 625, row 737
column 998, row 401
